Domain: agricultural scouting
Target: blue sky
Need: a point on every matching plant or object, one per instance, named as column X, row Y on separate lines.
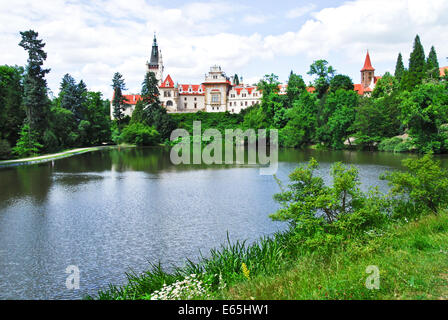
column 93, row 39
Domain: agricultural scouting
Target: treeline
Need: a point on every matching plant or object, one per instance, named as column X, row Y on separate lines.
column 407, row 110
column 33, row 123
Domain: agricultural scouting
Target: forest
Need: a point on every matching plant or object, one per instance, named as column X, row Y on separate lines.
column 406, row 112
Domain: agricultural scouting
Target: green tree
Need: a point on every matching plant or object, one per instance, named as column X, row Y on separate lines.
column 12, row 112
column 423, row 188
column 336, row 118
column 399, row 68
column 417, row 65
column 324, row 73
column 72, row 96
column 154, row 114
column 118, row 101
column 341, row 81
column 424, row 111
column 301, row 124
column 35, row 86
column 28, row 144
column 385, row 86
column 296, row 86
column 432, row 65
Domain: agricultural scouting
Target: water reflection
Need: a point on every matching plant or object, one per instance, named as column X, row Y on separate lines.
column 113, row 210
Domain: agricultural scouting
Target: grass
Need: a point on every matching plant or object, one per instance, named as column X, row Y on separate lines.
column 412, row 260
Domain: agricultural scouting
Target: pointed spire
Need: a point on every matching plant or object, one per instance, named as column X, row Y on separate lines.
column 368, row 64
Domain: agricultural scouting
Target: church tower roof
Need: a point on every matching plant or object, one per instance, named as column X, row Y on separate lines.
column 368, row 64
column 154, row 61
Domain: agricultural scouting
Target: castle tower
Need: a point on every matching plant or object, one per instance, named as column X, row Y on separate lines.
column 155, row 63
column 367, row 72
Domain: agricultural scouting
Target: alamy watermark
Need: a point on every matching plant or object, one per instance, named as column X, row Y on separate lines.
column 373, row 280
column 212, row 153
column 72, row 281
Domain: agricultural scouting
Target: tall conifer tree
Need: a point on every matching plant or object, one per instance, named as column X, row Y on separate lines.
column 118, row 101
column 417, row 65
column 399, row 68
column 35, row 96
column 432, row 65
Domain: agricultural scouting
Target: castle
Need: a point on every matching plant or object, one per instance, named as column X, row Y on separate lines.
column 217, row 93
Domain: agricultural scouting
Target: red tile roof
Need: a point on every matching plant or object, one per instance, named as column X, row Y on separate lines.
column 194, row 89
column 167, row 83
column 368, row 64
column 132, row 99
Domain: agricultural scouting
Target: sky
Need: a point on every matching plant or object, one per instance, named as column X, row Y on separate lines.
column 91, row 40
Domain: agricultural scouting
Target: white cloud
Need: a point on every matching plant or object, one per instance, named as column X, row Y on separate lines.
column 92, row 40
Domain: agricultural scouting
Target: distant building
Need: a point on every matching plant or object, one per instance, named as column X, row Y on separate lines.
column 218, row 94
column 368, row 78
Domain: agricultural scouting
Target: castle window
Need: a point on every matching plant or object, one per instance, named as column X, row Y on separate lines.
column 245, row 103
column 185, row 99
column 185, row 105
column 169, row 103
column 195, row 105
column 215, row 98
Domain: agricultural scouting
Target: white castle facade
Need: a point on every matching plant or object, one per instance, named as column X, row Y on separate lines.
column 216, row 94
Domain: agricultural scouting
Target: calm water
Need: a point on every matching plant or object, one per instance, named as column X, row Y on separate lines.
column 108, row 212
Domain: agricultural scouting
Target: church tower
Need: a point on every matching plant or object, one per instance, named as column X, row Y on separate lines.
column 367, row 72
column 155, row 63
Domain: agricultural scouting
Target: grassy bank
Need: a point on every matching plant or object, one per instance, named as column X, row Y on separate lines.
column 335, row 233
column 412, row 260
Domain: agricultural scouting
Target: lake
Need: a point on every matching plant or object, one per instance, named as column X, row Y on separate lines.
column 112, row 211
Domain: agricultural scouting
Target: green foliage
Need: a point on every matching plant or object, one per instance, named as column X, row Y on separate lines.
column 12, row 112
column 118, row 101
column 324, row 74
column 432, row 65
column 399, row 68
column 424, row 111
column 28, row 144
column 336, row 118
column 35, row 86
column 140, row 135
column 396, row 144
column 376, row 119
column 417, row 66
column 301, row 124
column 422, row 188
column 341, row 81
column 296, row 86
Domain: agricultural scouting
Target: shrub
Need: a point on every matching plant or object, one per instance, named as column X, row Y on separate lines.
column 140, row 134
column 27, row 144
column 396, row 144
column 422, row 188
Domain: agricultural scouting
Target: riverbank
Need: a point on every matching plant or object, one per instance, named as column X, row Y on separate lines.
column 401, row 236
column 412, row 261
column 55, row 156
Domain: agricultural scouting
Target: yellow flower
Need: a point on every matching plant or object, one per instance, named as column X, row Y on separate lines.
column 246, row 271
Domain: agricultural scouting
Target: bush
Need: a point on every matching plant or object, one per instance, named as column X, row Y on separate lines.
column 5, row 150
column 140, row 134
column 28, row 144
column 396, row 144
column 422, row 188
